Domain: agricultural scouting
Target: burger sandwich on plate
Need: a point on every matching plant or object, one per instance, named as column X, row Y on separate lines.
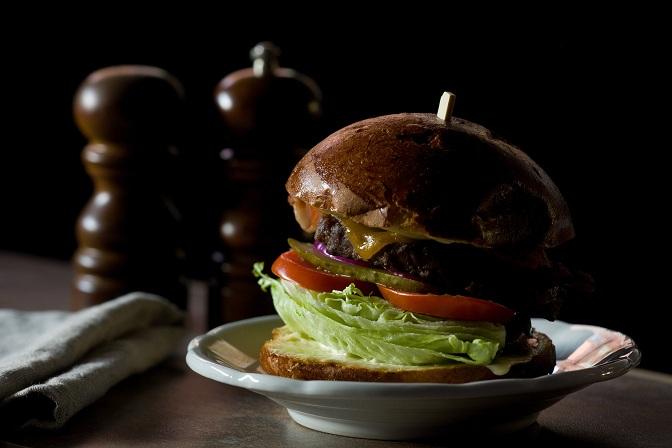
column 430, row 255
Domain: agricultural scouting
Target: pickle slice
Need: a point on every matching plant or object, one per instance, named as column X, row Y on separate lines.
column 316, row 258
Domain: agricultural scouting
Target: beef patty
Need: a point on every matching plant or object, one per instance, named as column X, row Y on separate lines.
column 529, row 283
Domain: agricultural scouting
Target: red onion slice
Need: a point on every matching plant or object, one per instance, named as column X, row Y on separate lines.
column 322, row 248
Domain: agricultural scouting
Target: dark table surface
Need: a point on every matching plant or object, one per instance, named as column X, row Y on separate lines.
column 170, row 406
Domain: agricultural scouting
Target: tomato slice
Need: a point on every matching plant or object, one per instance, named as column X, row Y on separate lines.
column 290, row 266
column 448, row 306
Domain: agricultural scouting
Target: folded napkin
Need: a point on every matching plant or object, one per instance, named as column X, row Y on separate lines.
column 52, row 363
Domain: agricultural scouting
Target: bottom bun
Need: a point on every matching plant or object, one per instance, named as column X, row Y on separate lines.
column 290, row 355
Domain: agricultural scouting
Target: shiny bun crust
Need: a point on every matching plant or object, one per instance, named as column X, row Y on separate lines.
column 417, row 174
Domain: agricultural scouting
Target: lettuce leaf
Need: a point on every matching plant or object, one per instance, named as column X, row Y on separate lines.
column 370, row 328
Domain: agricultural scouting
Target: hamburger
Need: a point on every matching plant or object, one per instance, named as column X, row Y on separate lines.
column 430, row 253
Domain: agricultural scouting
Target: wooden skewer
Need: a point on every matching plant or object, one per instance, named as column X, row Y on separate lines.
column 446, row 106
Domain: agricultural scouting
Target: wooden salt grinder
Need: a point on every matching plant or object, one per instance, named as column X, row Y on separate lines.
column 127, row 233
column 270, row 116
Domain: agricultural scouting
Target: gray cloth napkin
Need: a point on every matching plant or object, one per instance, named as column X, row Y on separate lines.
column 52, row 363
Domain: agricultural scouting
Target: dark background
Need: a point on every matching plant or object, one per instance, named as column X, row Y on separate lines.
column 581, row 97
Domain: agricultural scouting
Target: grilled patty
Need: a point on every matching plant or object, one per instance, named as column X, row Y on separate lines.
column 529, row 283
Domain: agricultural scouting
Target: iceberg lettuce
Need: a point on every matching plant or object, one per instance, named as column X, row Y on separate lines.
column 370, row 328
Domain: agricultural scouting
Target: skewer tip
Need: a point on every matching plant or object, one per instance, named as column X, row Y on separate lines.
column 446, row 106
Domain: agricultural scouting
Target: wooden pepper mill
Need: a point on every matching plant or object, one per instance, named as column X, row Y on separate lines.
column 127, row 233
column 270, row 115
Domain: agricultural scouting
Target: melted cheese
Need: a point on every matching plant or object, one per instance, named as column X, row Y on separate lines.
column 368, row 241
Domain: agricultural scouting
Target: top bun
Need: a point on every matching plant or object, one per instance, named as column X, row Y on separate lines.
column 419, row 175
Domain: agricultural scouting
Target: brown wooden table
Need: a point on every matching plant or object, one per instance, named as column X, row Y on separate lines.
column 170, row 406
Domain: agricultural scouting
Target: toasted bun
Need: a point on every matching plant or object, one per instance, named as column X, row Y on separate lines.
column 288, row 354
column 418, row 174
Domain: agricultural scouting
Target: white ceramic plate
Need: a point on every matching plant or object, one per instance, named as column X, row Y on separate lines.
column 586, row 355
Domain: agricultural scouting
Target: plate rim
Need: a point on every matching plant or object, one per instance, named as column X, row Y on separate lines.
column 264, row 383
